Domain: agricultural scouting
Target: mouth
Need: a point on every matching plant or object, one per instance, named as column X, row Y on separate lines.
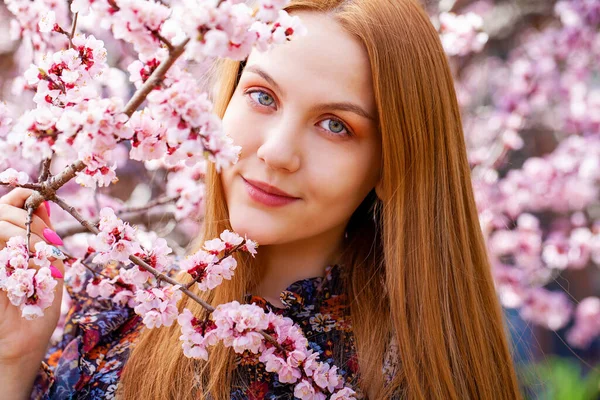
column 266, row 194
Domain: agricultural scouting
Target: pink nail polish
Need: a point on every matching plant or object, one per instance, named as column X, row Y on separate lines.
column 52, row 237
column 55, row 272
column 47, row 203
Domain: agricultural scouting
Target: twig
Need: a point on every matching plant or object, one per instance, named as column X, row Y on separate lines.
column 28, row 227
column 73, row 30
column 227, row 254
column 57, row 181
column 163, row 39
column 135, row 219
column 136, row 260
column 47, row 191
column 71, row 210
column 159, row 276
column 153, row 203
column 83, row 262
column 45, row 172
column 158, row 74
column 34, row 186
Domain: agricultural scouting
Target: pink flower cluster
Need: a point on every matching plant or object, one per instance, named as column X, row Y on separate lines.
column 116, row 240
column 63, row 78
column 191, row 130
column 27, row 16
column 158, row 306
column 32, row 290
column 188, row 184
column 239, row 326
column 207, row 268
column 462, row 34
column 91, row 132
column 13, row 177
column 587, row 323
column 550, row 309
column 134, row 21
column 231, row 30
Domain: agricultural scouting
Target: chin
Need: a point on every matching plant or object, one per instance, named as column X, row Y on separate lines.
column 258, row 226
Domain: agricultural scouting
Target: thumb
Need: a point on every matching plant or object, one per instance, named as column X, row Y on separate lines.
column 17, row 198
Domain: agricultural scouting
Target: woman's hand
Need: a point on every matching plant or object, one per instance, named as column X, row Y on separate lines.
column 23, row 342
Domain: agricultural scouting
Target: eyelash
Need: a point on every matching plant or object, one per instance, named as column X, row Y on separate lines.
column 257, row 104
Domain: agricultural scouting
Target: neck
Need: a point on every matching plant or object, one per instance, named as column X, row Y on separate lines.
column 284, row 264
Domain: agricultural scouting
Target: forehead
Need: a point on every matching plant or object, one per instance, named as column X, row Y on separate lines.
column 327, row 63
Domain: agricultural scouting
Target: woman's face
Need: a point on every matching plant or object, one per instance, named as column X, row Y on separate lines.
column 305, row 116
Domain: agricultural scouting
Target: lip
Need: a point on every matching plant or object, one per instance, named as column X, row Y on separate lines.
column 267, row 194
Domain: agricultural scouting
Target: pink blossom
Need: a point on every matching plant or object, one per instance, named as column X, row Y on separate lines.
column 136, row 20
column 269, row 9
column 231, row 239
column 148, row 139
column 237, row 326
column 587, row 323
column 44, row 292
column 116, row 240
column 47, row 22
column 187, row 184
column 214, row 246
column 75, row 276
column 344, row 394
column 103, row 288
column 196, row 335
column 29, row 289
column 158, row 306
column 305, row 391
column 550, row 309
column 43, row 253
column 462, row 34
column 13, row 177
column 327, row 377
column 158, row 255
column 250, row 246
column 19, row 286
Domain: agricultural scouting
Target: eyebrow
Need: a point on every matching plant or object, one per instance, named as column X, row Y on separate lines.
column 341, row 106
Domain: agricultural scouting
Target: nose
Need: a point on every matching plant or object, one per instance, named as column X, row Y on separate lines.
column 280, row 148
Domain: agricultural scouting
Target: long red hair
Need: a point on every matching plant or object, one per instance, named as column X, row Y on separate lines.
column 417, row 267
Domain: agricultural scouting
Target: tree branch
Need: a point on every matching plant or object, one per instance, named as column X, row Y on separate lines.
column 136, row 260
column 151, row 204
column 135, row 219
column 155, row 79
column 47, row 191
column 45, row 170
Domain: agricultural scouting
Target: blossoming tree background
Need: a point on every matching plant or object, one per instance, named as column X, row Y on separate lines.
column 113, row 92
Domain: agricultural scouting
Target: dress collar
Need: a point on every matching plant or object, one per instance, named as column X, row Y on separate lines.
column 305, row 292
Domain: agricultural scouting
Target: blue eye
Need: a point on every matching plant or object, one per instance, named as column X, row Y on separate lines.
column 335, row 126
column 262, row 98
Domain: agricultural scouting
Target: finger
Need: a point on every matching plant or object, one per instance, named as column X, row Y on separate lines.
column 18, row 217
column 17, row 198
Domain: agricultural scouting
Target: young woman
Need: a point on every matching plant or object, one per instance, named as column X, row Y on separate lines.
column 354, row 180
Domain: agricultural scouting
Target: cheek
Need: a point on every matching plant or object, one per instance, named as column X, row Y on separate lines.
column 340, row 180
column 241, row 125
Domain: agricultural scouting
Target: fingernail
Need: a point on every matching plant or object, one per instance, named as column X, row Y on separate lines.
column 55, row 272
column 47, row 203
column 52, row 237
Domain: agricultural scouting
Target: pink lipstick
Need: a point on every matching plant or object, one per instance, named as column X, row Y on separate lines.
column 266, row 194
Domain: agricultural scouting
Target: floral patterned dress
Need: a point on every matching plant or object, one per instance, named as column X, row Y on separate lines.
column 88, row 360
